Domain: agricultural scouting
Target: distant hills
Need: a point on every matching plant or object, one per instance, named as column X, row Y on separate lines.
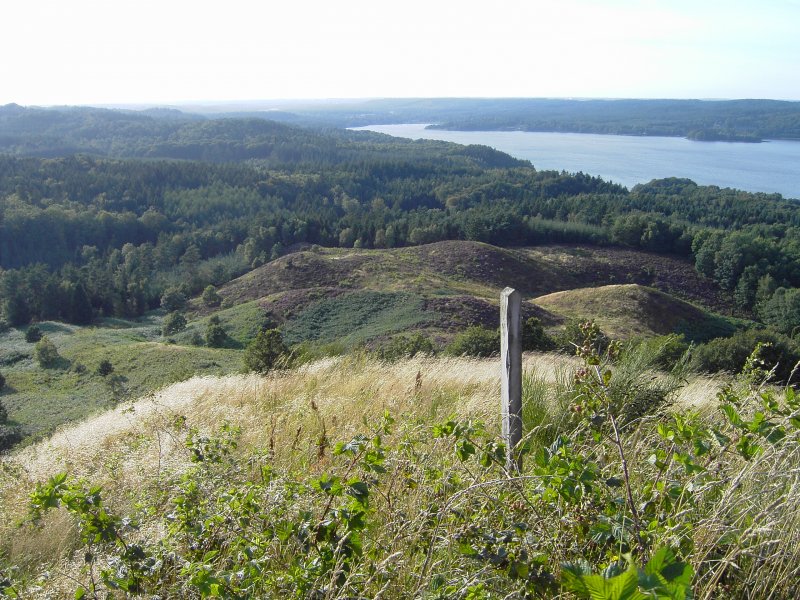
column 173, row 133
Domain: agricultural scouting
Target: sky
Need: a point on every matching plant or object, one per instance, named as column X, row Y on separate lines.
column 170, row 52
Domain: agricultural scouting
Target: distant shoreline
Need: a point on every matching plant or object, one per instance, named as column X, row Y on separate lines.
column 694, row 136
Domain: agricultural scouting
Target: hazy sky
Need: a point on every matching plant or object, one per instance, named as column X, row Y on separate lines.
column 171, row 51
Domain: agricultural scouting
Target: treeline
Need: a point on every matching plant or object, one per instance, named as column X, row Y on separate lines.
column 731, row 120
column 86, row 236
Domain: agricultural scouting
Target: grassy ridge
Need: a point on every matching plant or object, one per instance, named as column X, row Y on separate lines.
column 625, row 311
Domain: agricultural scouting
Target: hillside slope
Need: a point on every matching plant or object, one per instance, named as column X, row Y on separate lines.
column 631, row 310
column 354, row 296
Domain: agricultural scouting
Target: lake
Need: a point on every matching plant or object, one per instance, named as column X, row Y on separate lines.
column 772, row 166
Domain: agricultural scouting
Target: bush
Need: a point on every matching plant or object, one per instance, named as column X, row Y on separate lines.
column 572, row 337
column 173, row 323
column 2, row 382
column 33, row 334
column 215, row 334
column 10, row 435
column 730, row 354
column 46, row 354
column 475, row 341
column 173, row 299
column 534, row 336
column 105, row 368
column 264, row 352
column 406, row 346
column 211, row 297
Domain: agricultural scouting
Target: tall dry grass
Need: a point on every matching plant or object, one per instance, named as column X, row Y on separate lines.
column 747, row 542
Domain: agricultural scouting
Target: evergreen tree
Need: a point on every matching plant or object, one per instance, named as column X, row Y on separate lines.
column 264, row 352
column 215, row 334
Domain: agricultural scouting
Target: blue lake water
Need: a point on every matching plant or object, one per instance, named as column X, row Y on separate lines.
column 772, row 166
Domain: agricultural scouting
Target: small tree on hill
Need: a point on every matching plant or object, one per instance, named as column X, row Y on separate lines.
column 263, row 353
column 173, row 323
column 215, row 334
column 33, row 334
column 105, row 368
column 173, row 299
column 211, row 297
column 46, row 353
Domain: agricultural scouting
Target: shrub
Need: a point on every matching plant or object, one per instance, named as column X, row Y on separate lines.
column 475, row 341
column 730, row 354
column 46, row 354
column 33, row 334
column 173, row 323
column 105, row 368
column 215, row 334
column 10, row 435
column 406, row 346
column 534, row 336
column 572, row 337
column 264, row 352
column 211, row 297
column 173, row 299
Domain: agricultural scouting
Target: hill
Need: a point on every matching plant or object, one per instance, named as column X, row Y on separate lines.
column 329, row 294
column 631, row 310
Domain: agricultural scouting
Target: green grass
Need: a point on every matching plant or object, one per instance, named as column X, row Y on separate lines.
column 357, row 317
column 241, row 322
column 42, row 399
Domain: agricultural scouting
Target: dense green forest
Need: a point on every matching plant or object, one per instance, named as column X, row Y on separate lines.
column 158, row 201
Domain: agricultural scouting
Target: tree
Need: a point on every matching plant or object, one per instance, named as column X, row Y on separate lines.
column 46, row 353
column 33, row 334
column 215, row 334
column 263, row 353
column 2, row 382
column 211, row 297
column 80, row 307
column 105, row 368
column 173, row 323
column 173, row 299
column 782, row 311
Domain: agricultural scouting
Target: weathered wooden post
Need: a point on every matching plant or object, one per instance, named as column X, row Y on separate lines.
column 511, row 376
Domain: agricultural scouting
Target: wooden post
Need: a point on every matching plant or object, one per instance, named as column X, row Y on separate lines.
column 511, row 377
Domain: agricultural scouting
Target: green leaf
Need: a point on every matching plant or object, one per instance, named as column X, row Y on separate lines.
column 464, row 449
column 358, row 490
column 80, row 593
column 328, row 484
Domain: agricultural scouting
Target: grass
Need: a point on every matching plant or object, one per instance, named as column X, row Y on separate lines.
column 432, row 509
column 241, row 322
column 356, row 318
column 40, row 400
column 631, row 310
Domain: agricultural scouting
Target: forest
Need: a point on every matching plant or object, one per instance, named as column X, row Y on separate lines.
column 143, row 208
